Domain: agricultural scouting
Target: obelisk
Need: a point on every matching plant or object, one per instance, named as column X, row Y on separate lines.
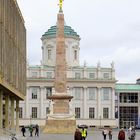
column 61, row 118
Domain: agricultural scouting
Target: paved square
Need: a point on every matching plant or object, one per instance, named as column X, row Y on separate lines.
column 92, row 135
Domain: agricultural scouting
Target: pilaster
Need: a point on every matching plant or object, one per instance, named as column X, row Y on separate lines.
column 41, row 102
column 1, row 109
column 85, row 102
column 27, row 103
column 7, row 111
column 17, row 115
column 99, row 111
column 12, row 113
column 113, row 103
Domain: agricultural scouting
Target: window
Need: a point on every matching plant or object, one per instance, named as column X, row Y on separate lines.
column 105, row 113
column 106, row 92
column 48, row 92
column 91, row 112
column 77, row 112
column 34, row 74
column 49, row 75
column 106, row 75
column 20, row 112
column 77, row 93
column 92, row 92
column 34, row 112
column 75, row 54
column 77, row 75
column 91, row 75
column 34, row 93
column 49, row 54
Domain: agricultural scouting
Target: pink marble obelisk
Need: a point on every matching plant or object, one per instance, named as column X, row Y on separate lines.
column 60, row 119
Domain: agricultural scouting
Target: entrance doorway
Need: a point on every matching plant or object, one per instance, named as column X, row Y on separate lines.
column 127, row 124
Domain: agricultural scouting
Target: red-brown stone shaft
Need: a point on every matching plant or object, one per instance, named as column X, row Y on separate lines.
column 60, row 69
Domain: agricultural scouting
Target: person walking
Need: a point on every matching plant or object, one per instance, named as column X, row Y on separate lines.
column 84, row 133
column 131, row 133
column 110, row 134
column 23, row 131
column 77, row 135
column 104, row 133
column 31, row 131
column 37, row 130
column 121, row 135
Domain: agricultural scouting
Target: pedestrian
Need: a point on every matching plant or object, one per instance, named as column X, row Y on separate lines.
column 110, row 134
column 23, row 131
column 104, row 133
column 37, row 130
column 77, row 135
column 31, row 130
column 84, row 133
column 121, row 135
column 131, row 133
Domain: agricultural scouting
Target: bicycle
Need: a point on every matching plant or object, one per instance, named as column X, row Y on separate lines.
column 13, row 136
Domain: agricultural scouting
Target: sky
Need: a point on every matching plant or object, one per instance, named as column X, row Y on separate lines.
column 109, row 31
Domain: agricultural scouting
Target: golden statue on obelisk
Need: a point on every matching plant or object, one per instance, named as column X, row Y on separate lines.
column 60, row 5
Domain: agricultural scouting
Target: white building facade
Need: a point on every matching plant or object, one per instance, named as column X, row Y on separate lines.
column 92, row 88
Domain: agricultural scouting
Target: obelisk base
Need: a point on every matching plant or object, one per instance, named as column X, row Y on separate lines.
column 60, row 126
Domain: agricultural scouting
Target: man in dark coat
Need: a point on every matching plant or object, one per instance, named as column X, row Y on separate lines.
column 121, row 135
column 77, row 135
column 23, row 131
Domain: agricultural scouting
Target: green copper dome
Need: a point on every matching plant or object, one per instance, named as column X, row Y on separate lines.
column 68, row 31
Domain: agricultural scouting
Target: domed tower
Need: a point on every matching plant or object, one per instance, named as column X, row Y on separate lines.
column 49, row 46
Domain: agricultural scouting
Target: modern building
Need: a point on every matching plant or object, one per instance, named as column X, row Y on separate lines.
column 12, row 63
column 93, row 88
column 128, row 104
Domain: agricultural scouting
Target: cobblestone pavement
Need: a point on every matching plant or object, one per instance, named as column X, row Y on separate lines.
column 92, row 135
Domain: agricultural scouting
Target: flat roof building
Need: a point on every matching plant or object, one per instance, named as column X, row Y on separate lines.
column 12, row 63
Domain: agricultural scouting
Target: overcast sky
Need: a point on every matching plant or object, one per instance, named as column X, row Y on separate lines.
column 109, row 31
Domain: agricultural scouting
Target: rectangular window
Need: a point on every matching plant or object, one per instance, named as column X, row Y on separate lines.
column 77, row 112
column 77, row 94
column 77, row 75
column 34, row 74
column 34, row 93
column 106, row 92
column 34, row 112
column 47, row 111
column 106, row 75
column 49, row 54
column 105, row 113
column 48, row 92
column 91, row 112
column 20, row 112
column 91, row 75
column 75, row 54
column 92, row 92
column 49, row 75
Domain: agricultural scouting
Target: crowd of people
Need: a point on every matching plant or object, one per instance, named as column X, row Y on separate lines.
column 81, row 134
column 31, row 130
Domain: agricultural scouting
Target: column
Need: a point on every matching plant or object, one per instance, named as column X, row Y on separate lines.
column 113, row 103
column 17, row 115
column 41, row 102
column 1, row 110
column 85, row 102
column 7, row 111
column 12, row 113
